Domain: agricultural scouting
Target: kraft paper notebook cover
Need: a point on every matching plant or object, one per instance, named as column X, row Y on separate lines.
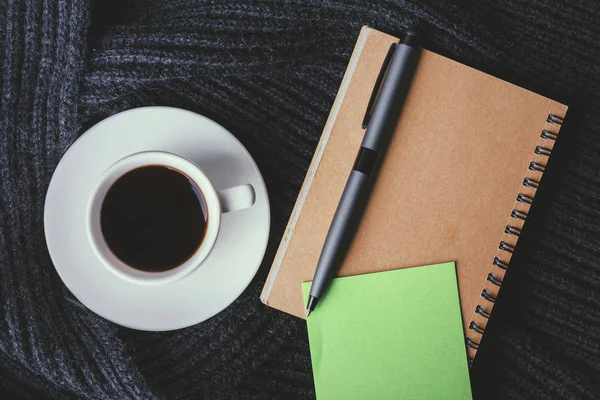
column 456, row 184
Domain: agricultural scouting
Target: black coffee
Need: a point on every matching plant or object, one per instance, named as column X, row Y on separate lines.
column 153, row 218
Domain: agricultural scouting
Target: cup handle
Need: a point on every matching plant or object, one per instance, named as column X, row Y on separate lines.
column 237, row 198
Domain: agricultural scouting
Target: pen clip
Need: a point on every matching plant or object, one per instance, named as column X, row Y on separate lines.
column 378, row 82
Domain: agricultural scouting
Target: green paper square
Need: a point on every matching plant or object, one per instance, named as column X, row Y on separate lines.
column 390, row 335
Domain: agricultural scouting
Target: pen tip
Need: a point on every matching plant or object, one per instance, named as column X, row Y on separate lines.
column 307, row 312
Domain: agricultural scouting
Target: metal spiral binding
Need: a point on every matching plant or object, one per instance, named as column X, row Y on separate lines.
column 533, row 166
column 493, row 279
column 546, row 134
column 512, row 230
column 518, row 214
column 472, row 344
column 486, row 294
column 509, row 248
column 475, row 327
column 498, row 262
column 554, row 119
column 523, row 198
column 531, row 183
column 482, row 311
column 542, row 151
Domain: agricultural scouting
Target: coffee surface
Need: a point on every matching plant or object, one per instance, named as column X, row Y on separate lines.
column 153, row 218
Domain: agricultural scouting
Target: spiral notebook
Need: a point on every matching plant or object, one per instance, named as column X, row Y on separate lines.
column 456, row 184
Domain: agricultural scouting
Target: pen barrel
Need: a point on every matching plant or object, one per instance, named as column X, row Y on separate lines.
column 343, row 227
column 380, row 128
column 391, row 97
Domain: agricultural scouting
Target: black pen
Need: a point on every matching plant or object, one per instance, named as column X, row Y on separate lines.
column 402, row 59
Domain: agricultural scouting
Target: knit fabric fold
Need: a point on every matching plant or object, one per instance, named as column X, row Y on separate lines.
column 268, row 71
column 47, row 339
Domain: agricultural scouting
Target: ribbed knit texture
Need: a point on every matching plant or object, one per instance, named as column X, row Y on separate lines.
column 269, row 71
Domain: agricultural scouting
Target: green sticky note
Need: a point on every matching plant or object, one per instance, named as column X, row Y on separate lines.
column 390, row 335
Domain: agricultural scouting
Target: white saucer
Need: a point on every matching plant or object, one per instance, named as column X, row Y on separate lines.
column 220, row 279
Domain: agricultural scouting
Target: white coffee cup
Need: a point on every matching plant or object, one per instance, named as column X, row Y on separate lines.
column 217, row 203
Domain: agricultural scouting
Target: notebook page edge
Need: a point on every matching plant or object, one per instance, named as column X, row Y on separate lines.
column 314, row 165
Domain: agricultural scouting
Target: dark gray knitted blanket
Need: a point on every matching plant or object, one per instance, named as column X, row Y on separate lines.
column 268, row 71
